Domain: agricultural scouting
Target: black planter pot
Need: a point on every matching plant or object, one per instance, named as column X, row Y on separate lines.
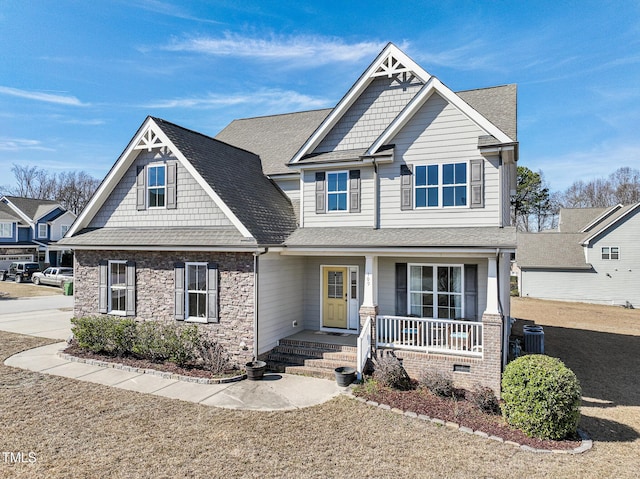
column 255, row 370
column 345, row 375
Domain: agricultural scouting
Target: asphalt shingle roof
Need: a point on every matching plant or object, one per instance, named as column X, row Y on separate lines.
column 551, row 250
column 149, row 237
column 274, row 138
column 491, row 237
column 497, row 104
column 573, row 220
column 236, row 176
column 6, row 213
column 34, row 209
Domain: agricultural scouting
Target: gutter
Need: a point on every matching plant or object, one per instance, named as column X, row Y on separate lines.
column 256, row 266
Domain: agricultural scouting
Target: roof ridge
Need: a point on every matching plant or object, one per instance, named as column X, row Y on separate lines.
column 487, row 87
column 282, row 114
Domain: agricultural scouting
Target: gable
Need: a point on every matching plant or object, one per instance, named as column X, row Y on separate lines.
column 194, row 208
column 383, row 99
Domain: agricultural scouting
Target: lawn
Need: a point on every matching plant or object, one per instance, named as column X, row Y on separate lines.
column 79, row 429
column 11, row 289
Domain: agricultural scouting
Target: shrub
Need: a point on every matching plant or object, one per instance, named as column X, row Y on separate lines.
column 214, row 357
column 105, row 334
column 541, row 397
column 149, row 342
column 485, row 399
column 183, row 343
column 438, row 383
column 388, row 372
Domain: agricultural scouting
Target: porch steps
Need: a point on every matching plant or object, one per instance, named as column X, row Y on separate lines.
column 309, row 358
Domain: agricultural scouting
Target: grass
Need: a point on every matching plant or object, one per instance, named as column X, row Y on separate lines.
column 11, row 290
column 86, row 430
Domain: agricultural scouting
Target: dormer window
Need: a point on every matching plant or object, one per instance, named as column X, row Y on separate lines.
column 157, row 186
column 6, row 230
column 42, row 230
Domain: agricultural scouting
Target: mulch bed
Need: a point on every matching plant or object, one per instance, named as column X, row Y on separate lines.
column 74, row 350
column 460, row 411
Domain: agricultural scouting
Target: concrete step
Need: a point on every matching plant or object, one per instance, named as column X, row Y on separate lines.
column 329, row 364
column 317, row 345
column 311, row 371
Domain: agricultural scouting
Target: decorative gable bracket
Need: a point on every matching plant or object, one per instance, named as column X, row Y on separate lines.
column 149, row 141
column 389, row 67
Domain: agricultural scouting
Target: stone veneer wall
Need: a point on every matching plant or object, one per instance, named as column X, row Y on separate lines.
column 486, row 371
column 155, row 291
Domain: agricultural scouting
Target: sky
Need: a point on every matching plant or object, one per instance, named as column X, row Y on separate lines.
column 78, row 78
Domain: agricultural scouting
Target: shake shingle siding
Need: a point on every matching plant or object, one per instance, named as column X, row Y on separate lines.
column 371, row 113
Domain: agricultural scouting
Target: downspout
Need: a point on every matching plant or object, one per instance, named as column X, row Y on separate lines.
column 376, row 196
column 256, row 266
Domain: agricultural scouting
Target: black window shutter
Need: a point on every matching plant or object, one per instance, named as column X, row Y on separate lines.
column 354, row 191
column 141, row 187
column 103, row 286
column 130, row 302
column 406, row 187
column 476, row 182
column 212, row 293
column 172, row 174
column 179, row 291
column 320, row 192
column 471, row 291
column 401, row 289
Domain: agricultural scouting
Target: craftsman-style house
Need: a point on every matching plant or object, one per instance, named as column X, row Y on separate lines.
column 385, row 220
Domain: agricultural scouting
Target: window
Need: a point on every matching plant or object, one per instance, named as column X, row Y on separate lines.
column 441, row 185
column 196, row 292
column 6, row 230
column 337, row 191
column 435, row 291
column 117, row 287
column 335, row 284
column 196, row 297
column 63, row 230
column 610, row 252
column 156, row 186
column 42, row 230
column 426, row 186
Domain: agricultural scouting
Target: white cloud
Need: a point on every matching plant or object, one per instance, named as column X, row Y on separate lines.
column 287, row 99
column 18, row 144
column 39, row 96
column 302, row 49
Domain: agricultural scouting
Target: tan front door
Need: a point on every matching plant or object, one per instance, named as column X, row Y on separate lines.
column 334, row 297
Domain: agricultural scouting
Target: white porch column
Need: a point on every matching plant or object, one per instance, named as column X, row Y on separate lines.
column 370, row 282
column 492, row 287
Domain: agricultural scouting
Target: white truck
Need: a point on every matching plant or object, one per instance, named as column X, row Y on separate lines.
column 53, row 276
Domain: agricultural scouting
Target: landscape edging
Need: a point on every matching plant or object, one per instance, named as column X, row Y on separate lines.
column 585, row 445
column 152, row 372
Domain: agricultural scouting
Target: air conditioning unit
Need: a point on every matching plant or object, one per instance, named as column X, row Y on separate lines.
column 533, row 339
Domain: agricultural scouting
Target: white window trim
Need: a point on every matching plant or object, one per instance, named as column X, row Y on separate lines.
column 46, row 230
column 3, row 225
column 435, row 292
column 346, row 210
column 440, row 186
column 609, row 253
column 164, row 187
column 63, row 231
column 110, row 286
column 196, row 319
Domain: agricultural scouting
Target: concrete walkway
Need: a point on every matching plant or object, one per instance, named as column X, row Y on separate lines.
column 275, row 392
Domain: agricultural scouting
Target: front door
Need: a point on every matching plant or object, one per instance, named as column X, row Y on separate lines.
column 335, row 297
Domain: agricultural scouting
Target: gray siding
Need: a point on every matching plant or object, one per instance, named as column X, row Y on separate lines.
column 621, row 285
column 194, row 206
column 371, row 113
column 438, row 133
column 387, row 279
column 280, row 298
column 343, row 218
column 312, row 288
column 290, row 187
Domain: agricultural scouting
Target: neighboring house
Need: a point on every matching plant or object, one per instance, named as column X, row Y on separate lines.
column 593, row 257
column 30, row 228
column 385, row 218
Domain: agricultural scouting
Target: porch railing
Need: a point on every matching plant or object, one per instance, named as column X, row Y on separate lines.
column 439, row 336
column 364, row 346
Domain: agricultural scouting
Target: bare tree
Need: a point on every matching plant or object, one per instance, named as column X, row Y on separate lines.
column 71, row 189
column 622, row 186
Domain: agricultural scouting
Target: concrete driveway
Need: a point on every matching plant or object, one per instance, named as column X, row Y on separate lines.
column 44, row 316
